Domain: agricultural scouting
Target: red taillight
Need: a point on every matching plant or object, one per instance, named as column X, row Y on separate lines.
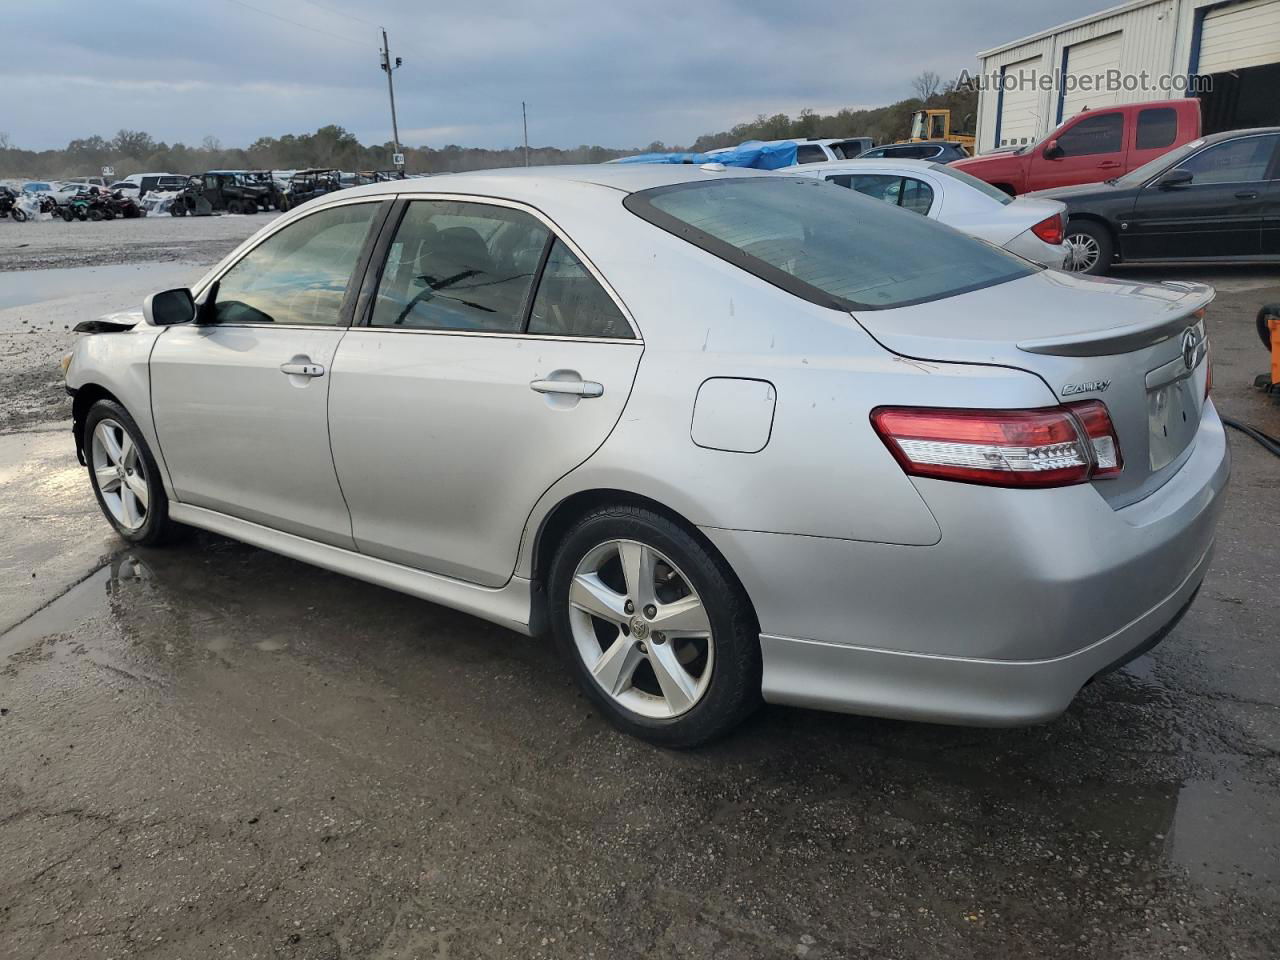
column 1105, row 445
column 1049, row 447
column 1049, row 229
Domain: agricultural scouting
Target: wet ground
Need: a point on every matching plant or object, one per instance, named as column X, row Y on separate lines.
column 211, row 751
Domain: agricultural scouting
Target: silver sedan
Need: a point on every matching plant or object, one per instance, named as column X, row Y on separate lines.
column 727, row 436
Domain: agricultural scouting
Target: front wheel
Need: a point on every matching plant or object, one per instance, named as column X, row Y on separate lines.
column 124, row 475
column 1090, row 249
column 655, row 627
column 19, row 216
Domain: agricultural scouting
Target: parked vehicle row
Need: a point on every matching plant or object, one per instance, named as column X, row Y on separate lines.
column 634, row 361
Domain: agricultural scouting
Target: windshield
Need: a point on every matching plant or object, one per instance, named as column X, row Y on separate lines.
column 1140, row 175
column 995, row 193
column 826, row 244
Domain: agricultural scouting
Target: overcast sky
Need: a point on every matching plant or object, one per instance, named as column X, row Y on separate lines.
column 615, row 73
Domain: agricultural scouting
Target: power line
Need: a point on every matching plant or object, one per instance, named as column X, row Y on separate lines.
column 341, row 13
column 295, row 23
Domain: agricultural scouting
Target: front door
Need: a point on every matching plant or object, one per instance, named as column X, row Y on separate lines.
column 493, row 362
column 1089, row 150
column 1218, row 213
column 240, row 403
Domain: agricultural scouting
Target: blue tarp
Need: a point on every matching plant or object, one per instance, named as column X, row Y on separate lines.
column 759, row 156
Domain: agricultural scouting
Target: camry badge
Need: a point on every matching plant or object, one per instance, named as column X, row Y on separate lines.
column 1092, row 386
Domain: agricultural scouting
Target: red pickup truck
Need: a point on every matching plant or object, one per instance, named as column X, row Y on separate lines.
column 1092, row 146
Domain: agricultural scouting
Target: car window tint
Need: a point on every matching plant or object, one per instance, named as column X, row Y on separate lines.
column 810, row 153
column 1157, row 127
column 299, row 274
column 877, row 186
column 459, row 266
column 915, row 195
column 828, row 246
column 1103, row 133
column 1234, row 161
column 571, row 303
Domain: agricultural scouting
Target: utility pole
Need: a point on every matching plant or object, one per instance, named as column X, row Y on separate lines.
column 391, row 90
column 524, row 115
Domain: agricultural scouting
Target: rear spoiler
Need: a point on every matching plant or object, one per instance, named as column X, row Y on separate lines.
column 1134, row 336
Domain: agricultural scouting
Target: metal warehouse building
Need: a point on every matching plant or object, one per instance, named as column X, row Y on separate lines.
column 1234, row 44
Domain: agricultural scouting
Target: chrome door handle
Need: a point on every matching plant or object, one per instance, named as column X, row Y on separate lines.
column 303, row 369
column 1247, row 195
column 573, row 388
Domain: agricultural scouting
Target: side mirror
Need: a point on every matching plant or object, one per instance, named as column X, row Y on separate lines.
column 1174, row 178
column 170, row 307
column 1052, row 151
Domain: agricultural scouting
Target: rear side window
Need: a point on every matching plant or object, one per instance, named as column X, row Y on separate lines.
column 460, row 266
column 570, row 303
column 1157, row 127
column 825, row 245
column 1103, row 133
column 810, row 153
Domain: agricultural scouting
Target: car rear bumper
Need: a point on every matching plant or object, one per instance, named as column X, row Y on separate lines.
column 937, row 689
column 1027, row 244
column 1027, row 596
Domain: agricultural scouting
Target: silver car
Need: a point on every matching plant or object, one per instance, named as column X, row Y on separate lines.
column 1031, row 227
column 726, row 435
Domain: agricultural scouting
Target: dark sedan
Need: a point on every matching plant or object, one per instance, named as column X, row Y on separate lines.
column 939, row 151
column 1214, row 199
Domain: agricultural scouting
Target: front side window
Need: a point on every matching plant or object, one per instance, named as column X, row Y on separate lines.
column 571, row 303
column 460, row 266
column 827, row 246
column 877, row 186
column 1103, row 133
column 1235, row 161
column 300, row 274
column 1157, row 127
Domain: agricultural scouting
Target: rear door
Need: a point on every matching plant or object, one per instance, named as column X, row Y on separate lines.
column 240, row 404
column 491, row 360
column 1218, row 214
column 1090, row 149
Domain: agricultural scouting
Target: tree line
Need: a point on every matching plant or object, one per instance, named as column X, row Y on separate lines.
column 331, row 146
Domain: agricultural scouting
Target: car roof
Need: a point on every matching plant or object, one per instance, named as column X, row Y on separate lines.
column 853, row 166
column 918, row 143
column 528, row 181
column 1232, row 134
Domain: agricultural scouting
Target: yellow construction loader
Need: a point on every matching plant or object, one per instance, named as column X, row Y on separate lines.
column 935, row 124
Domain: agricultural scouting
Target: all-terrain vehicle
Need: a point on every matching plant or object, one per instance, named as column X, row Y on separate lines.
column 309, row 184
column 90, row 204
column 218, row 192
column 8, row 205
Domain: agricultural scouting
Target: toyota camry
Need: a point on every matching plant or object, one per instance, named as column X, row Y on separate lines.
column 727, row 436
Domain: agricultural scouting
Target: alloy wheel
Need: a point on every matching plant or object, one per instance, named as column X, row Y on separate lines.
column 1083, row 252
column 118, row 468
column 641, row 629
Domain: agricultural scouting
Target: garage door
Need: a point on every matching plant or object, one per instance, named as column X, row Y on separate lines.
column 1019, row 120
column 1091, row 59
column 1240, row 35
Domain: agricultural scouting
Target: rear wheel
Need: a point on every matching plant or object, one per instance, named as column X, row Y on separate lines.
column 124, row 475
column 1090, row 248
column 95, row 213
column 655, row 628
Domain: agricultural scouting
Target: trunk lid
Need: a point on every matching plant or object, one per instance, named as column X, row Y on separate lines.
column 1138, row 347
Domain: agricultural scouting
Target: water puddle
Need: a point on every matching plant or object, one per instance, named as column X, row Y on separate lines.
column 22, row 287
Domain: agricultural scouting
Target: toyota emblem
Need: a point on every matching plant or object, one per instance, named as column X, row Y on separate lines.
column 1189, row 344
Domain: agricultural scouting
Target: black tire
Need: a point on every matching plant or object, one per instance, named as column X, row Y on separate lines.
column 68, row 215
column 177, row 209
column 156, row 527
column 95, row 213
column 19, row 216
column 1096, row 240
column 1264, row 330
column 733, row 691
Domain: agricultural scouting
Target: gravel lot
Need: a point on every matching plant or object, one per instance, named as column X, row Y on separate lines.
column 211, row 751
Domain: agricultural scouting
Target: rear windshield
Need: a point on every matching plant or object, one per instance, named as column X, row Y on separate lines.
column 995, row 193
column 826, row 244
